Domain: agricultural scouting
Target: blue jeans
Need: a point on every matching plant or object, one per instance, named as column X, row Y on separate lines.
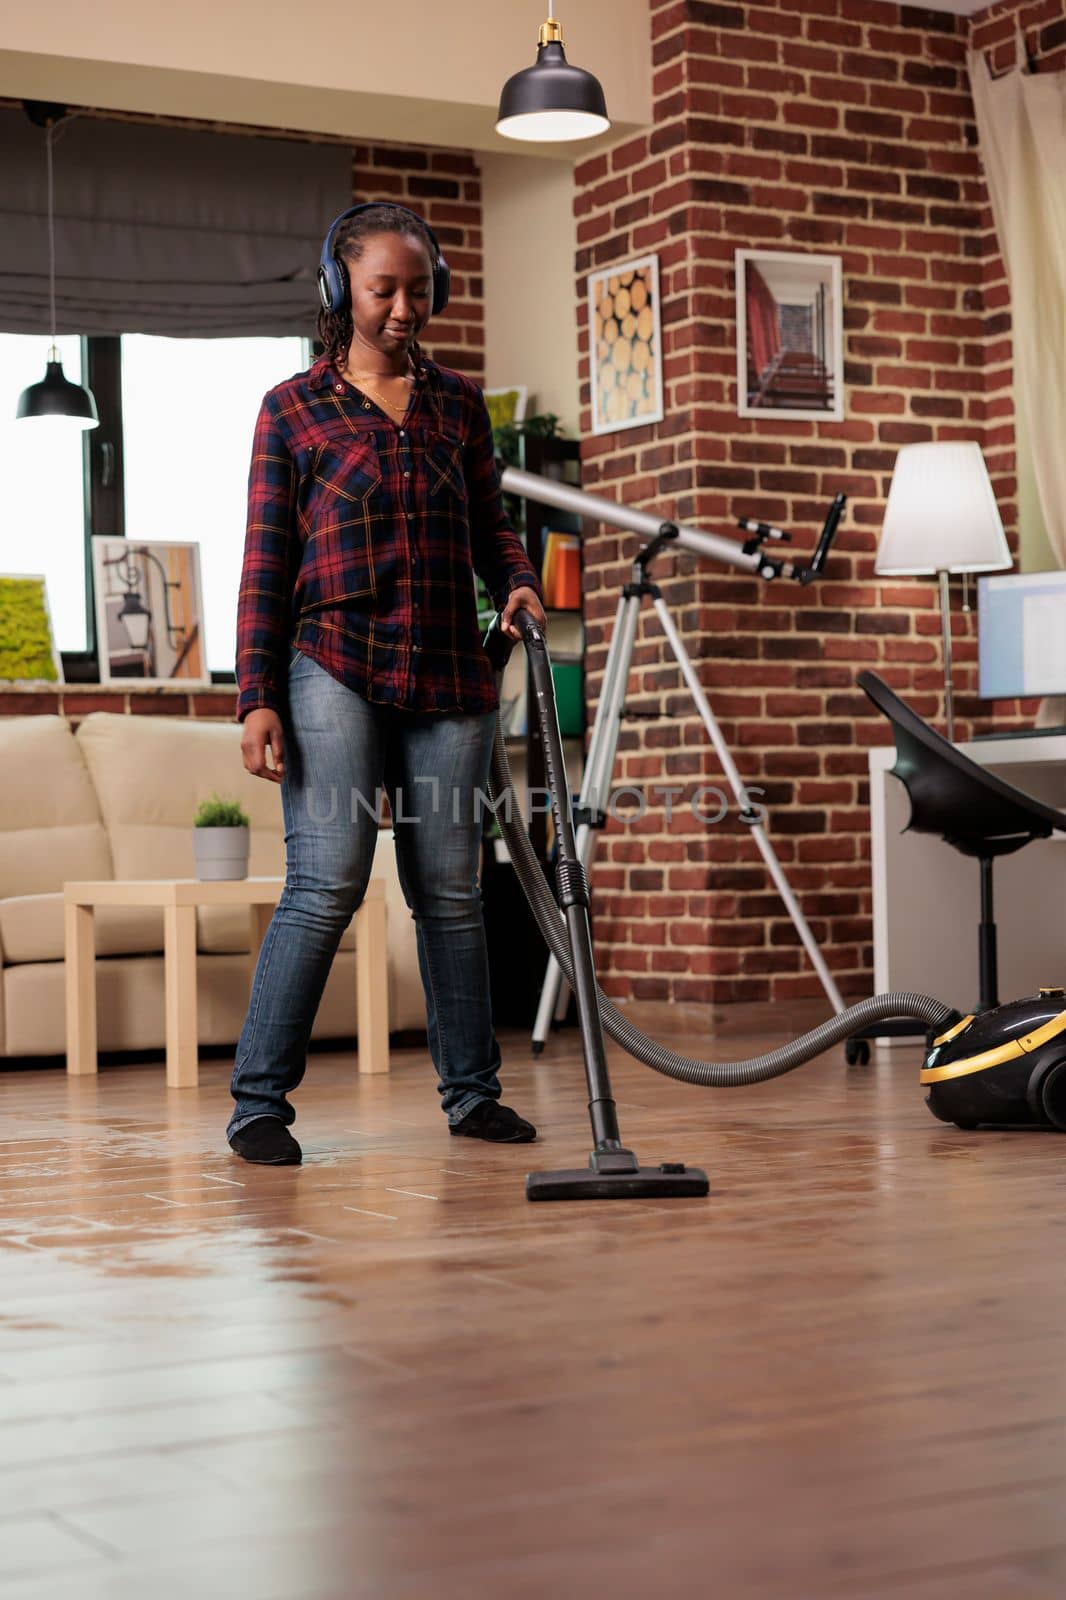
column 340, row 751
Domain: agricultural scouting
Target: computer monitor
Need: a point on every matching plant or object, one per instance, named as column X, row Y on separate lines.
column 1021, row 635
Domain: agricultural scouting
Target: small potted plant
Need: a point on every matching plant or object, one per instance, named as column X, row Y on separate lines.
column 220, row 840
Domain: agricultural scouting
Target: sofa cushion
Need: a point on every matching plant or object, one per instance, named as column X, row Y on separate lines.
column 51, row 828
column 150, row 774
column 31, row 929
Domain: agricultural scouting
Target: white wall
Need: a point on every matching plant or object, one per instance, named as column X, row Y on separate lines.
column 425, row 73
column 530, row 239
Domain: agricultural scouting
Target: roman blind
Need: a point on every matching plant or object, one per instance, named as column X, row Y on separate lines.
column 164, row 230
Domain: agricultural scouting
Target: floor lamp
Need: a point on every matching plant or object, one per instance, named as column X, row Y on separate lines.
column 942, row 518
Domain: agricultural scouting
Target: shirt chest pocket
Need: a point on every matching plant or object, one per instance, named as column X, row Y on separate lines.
column 341, row 511
column 344, row 473
column 445, row 477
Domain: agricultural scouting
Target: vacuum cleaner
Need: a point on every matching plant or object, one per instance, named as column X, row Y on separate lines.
column 1006, row 1066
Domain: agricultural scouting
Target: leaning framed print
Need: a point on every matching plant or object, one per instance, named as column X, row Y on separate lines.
column 507, row 406
column 625, row 346
column 149, row 611
column 790, row 335
column 28, row 651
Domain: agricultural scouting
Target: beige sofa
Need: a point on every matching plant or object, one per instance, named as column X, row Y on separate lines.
column 116, row 799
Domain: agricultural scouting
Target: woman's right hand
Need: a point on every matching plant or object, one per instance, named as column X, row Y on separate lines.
column 260, row 729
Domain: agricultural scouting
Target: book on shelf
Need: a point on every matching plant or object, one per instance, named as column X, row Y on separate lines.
column 560, row 575
column 569, row 680
column 569, row 697
column 565, row 635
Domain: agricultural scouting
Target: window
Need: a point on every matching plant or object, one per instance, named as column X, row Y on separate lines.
column 189, row 408
column 42, row 486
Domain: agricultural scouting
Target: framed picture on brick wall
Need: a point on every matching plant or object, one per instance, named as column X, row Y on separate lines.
column 790, row 335
column 625, row 346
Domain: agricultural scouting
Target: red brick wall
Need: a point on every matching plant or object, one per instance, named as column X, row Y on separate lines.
column 1043, row 24
column 837, row 126
column 76, row 700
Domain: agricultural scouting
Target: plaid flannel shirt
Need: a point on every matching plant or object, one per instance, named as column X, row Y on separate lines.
column 363, row 537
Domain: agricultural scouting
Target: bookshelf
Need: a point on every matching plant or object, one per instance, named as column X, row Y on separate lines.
column 517, row 952
column 559, row 459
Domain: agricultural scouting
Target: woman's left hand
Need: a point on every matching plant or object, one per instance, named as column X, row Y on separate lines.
column 524, row 599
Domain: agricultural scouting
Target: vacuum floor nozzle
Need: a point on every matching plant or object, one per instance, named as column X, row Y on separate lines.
column 670, row 1181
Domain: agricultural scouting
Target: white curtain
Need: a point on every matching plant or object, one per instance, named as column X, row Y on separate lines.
column 1021, row 123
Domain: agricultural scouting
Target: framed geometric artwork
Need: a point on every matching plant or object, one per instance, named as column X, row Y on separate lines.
column 790, row 335
column 149, row 611
column 625, row 346
column 28, row 652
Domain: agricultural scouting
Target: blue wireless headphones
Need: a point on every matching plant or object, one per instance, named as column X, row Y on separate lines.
column 333, row 280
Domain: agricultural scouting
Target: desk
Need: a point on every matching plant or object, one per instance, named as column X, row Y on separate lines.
column 927, row 897
column 179, row 898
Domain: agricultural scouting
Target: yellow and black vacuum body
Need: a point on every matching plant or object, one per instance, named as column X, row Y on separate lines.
column 1006, row 1066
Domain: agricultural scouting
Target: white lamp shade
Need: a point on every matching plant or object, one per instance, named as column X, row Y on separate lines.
column 941, row 514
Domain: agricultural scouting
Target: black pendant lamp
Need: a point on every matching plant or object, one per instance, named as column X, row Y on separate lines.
column 552, row 101
column 55, row 395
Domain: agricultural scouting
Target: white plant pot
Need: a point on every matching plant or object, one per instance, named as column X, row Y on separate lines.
column 220, row 853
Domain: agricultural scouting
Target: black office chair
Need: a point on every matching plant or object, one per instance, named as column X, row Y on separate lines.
column 969, row 808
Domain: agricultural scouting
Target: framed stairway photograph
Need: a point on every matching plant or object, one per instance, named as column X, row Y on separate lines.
column 790, row 335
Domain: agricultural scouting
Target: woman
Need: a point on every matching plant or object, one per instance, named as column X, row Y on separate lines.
column 373, row 493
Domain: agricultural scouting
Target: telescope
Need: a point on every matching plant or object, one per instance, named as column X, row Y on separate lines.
column 757, row 554
column 749, row 556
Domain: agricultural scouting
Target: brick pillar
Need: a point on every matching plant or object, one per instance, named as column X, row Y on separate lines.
column 841, row 127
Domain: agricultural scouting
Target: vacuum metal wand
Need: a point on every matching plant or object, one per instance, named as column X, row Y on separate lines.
column 613, row 1173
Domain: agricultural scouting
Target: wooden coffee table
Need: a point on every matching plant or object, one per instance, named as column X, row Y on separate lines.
column 179, row 898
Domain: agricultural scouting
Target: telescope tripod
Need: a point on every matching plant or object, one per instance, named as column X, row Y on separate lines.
column 590, row 813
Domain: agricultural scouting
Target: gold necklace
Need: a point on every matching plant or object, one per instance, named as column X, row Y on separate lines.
column 390, row 405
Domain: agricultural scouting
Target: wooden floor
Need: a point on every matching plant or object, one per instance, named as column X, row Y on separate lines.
column 387, row 1375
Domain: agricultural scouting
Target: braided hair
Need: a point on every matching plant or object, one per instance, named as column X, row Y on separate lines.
column 335, row 328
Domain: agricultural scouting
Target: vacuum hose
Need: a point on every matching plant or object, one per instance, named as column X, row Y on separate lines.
column 716, row 1074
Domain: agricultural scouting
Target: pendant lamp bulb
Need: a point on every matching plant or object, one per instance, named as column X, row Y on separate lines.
column 55, row 395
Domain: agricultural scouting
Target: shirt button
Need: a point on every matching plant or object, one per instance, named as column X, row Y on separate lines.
column 403, row 435
column 366, row 405
column 407, row 474
column 339, row 388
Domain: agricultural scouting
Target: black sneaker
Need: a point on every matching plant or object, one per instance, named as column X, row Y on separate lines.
column 268, row 1141
column 490, row 1120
